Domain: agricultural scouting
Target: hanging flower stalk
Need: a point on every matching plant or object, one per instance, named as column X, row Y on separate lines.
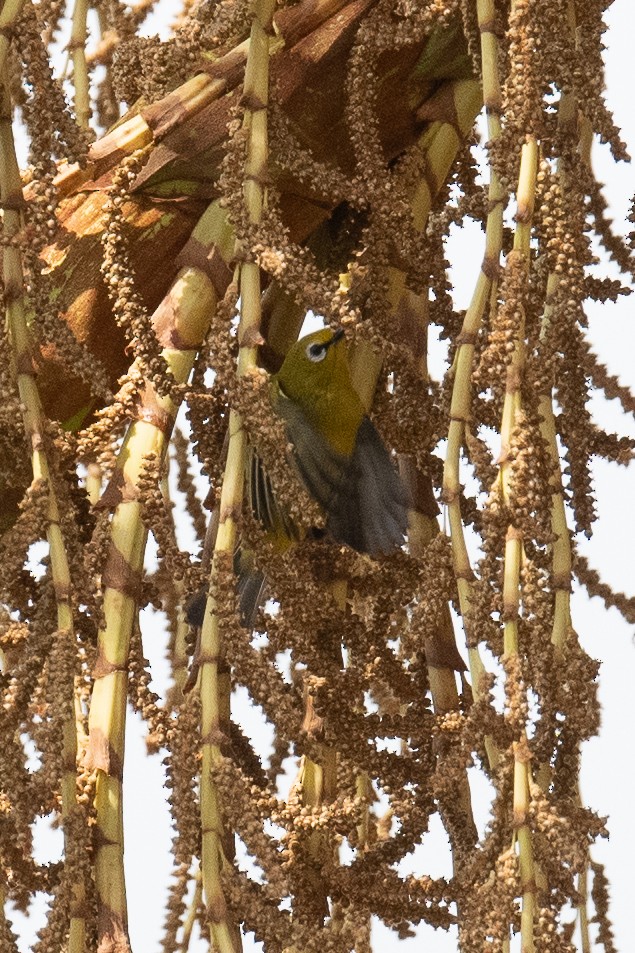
column 518, row 260
column 441, row 144
column 180, row 324
column 72, row 891
column 562, row 556
column 77, row 48
column 213, row 686
column 482, row 298
column 438, row 145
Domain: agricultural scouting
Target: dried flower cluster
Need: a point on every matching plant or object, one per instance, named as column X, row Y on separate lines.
column 276, row 159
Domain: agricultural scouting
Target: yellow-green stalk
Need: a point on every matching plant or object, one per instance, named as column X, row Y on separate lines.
column 317, row 782
column 561, row 546
column 486, row 284
column 9, row 14
column 77, row 47
column 35, row 429
column 440, row 142
column 422, row 529
column 562, row 557
column 186, row 312
column 190, row 919
column 214, row 688
column 525, row 196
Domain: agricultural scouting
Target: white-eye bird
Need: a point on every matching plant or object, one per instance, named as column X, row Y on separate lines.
column 336, row 448
column 339, row 455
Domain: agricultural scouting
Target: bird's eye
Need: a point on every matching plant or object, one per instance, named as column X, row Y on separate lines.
column 316, row 352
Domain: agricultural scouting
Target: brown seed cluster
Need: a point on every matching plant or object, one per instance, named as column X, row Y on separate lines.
column 128, row 308
column 356, row 665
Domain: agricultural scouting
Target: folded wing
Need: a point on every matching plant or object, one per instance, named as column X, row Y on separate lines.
column 364, row 499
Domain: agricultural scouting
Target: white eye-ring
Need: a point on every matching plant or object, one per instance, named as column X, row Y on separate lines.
column 316, row 352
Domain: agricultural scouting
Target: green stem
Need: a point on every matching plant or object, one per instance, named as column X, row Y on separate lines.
column 35, row 428
column 77, row 48
column 213, row 684
column 9, row 14
column 187, row 310
column 486, row 284
column 514, row 544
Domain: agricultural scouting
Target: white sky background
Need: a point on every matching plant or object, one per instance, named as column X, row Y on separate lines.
column 607, row 771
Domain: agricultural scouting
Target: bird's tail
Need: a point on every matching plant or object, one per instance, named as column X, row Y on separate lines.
column 250, row 587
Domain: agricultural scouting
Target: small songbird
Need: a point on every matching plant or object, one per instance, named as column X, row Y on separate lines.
column 339, row 456
column 336, row 448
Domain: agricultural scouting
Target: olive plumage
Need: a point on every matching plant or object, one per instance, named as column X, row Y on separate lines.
column 339, row 456
column 336, row 448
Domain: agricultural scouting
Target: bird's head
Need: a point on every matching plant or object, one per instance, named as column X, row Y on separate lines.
column 315, row 364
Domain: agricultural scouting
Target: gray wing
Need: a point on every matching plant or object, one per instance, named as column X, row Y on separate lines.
column 251, row 589
column 370, row 510
column 364, row 499
column 323, row 470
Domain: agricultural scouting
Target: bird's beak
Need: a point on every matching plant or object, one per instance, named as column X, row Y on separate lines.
column 337, row 336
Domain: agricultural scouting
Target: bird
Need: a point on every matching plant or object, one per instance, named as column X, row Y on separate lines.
column 339, row 456
column 337, row 450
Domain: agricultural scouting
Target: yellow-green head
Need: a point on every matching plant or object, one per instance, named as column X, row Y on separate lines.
column 316, row 376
